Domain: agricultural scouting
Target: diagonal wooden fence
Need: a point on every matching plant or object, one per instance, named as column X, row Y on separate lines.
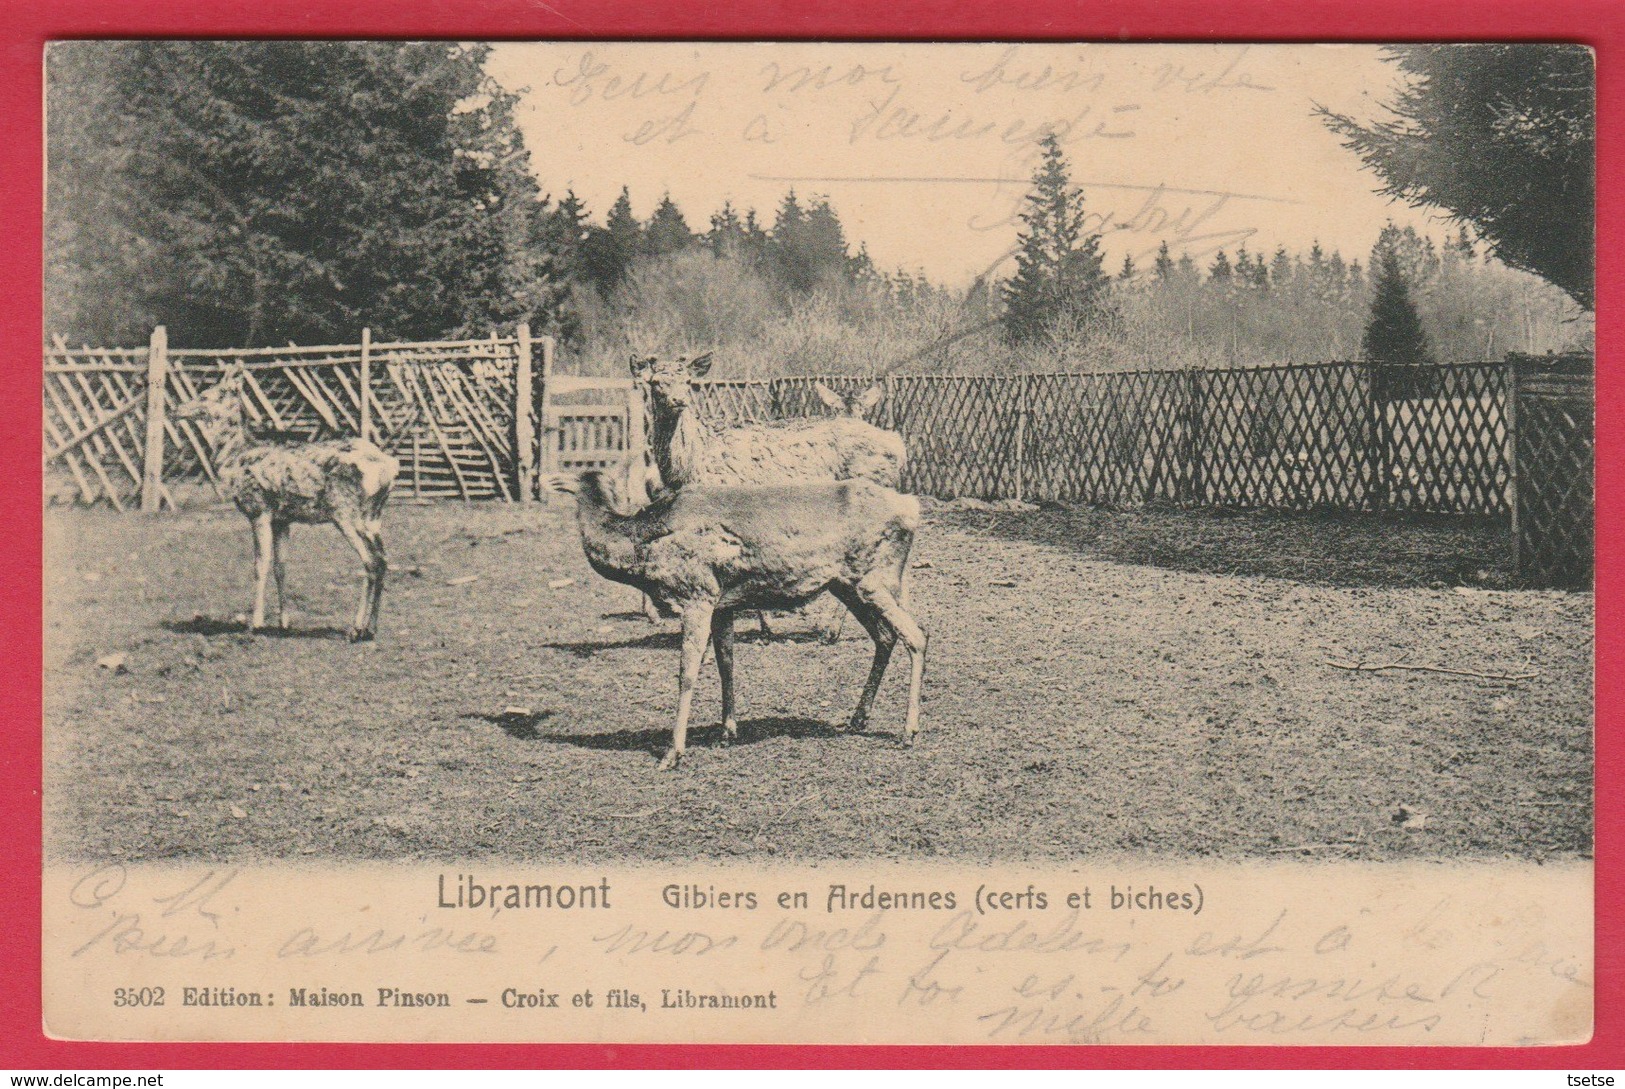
column 472, row 419
column 449, row 410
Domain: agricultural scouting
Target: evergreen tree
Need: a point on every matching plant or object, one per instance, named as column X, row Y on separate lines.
column 1165, row 264
column 1219, row 271
column 1126, row 273
column 1280, row 268
column 1394, row 332
column 1187, row 268
column 1503, row 136
column 609, row 250
column 667, row 231
column 727, row 233
column 1259, row 274
column 1058, row 266
column 255, row 192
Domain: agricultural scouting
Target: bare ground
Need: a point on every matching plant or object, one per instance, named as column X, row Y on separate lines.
column 1154, row 683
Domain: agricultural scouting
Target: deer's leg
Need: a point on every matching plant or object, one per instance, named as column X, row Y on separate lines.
column 833, row 629
column 279, row 549
column 264, row 546
column 696, row 635
column 914, row 637
column 363, row 618
column 722, row 639
column 379, row 571
column 884, row 638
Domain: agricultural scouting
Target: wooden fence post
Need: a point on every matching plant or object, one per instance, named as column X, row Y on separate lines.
column 549, row 458
column 1381, row 497
column 637, row 423
column 152, row 466
column 1195, row 482
column 524, row 416
column 1022, row 409
column 1511, row 411
column 365, row 394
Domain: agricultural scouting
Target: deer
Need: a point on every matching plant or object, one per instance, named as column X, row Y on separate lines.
column 709, row 551
column 276, row 483
column 690, row 450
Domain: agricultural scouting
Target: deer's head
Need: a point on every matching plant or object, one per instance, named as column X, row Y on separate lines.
column 219, row 407
column 857, row 405
column 669, row 382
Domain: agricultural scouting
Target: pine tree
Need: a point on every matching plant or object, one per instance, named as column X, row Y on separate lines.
column 1165, row 264
column 1219, row 271
column 667, row 231
column 253, row 192
column 610, row 250
column 1280, row 268
column 727, row 233
column 1126, row 273
column 1058, row 266
column 1394, row 332
column 1259, row 274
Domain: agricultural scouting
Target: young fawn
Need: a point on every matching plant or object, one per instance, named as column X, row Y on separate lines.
column 712, row 551
column 277, row 483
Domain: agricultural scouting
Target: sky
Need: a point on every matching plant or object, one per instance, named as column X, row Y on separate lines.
column 925, row 150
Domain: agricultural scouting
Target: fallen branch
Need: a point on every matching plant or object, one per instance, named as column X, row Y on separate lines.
column 1362, row 668
column 1315, row 846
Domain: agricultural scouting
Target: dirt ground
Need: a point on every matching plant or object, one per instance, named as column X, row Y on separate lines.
column 1154, row 683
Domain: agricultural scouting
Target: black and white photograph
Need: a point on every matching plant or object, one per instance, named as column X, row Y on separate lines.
column 753, row 516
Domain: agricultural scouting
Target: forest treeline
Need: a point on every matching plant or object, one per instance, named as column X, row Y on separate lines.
column 257, row 193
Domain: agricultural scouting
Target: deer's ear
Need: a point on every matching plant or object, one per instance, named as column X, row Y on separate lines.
column 642, row 364
column 700, row 365
column 870, row 397
column 829, row 397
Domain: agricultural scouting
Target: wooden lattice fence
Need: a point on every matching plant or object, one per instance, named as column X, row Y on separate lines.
column 450, row 411
column 1340, row 436
column 1553, row 518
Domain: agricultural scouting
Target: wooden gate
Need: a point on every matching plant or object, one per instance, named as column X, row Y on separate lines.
column 589, row 423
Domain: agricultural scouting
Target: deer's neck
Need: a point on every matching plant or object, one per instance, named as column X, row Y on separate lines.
column 680, row 445
column 609, row 539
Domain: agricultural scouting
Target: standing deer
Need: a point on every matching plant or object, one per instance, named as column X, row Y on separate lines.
column 712, row 551
column 276, row 483
column 689, row 450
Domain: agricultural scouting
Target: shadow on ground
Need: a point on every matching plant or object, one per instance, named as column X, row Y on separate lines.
column 1325, row 548
column 209, row 625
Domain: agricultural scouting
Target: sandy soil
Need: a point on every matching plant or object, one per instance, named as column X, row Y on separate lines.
column 1154, row 683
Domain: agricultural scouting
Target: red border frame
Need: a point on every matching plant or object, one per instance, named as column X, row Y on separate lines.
column 28, row 24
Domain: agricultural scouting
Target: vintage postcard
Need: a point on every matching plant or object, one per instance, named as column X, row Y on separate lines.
column 819, row 542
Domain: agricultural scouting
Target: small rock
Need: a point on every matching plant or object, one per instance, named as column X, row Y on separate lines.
column 112, row 662
column 462, row 580
column 516, row 711
column 1002, row 582
column 238, row 812
column 921, row 565
column 412, row 773
column 559, row 584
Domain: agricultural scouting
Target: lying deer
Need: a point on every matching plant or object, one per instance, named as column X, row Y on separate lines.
column 690, row 450
column 712, row 551
column 278, row 483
